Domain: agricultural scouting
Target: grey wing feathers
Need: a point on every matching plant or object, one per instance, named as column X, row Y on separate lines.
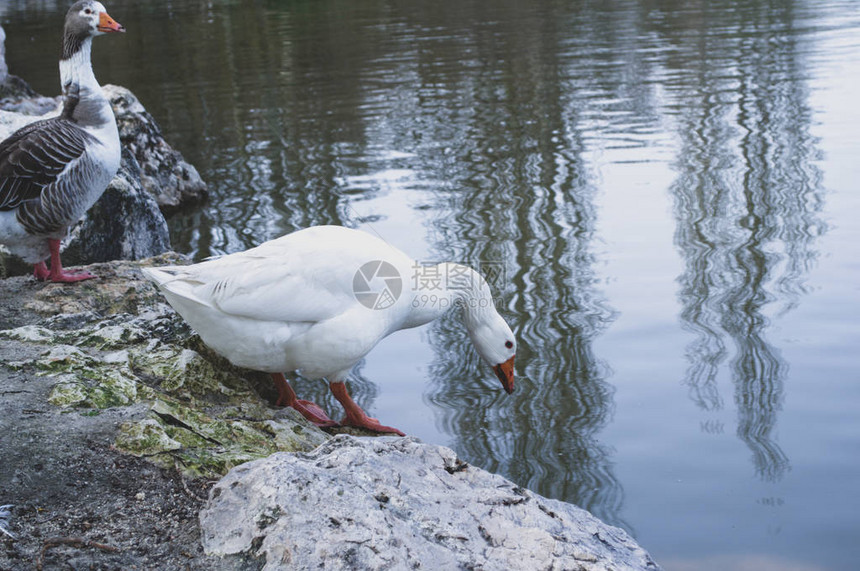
column 33, row 157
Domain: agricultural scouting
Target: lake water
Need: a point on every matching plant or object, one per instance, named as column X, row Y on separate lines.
column 667, row 190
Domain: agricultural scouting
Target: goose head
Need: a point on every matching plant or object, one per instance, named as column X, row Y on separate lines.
column 87, row 18
column 494, row 341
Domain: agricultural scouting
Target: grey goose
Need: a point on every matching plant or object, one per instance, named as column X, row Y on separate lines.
column 53, row 170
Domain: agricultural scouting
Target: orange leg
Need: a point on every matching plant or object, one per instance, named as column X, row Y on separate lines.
column 311, row 411
column 354, row 415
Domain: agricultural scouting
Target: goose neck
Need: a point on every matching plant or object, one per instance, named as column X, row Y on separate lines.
column 76, row 68
column 85, row 103
column 454, row 285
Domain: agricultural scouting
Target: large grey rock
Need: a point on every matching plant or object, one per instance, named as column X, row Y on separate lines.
column 384, row 503
column 163, row 172
column 11, row 121
column 125, row 223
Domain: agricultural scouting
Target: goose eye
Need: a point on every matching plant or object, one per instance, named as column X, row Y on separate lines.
column 88, row 11
column 508, row 344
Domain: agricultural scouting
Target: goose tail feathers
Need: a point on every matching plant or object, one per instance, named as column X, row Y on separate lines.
column 162, row 275
column 174, row 282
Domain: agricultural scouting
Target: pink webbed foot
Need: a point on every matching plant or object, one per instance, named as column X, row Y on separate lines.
column 355, row 416
column 71, row 276
column 41, row 271
column 310, row 410
column 368, row 423
column 314, row 413
column 57, row 273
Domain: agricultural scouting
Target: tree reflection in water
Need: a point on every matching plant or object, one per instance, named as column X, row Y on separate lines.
column 519, row 196
column 747, row 205
column 544, row 435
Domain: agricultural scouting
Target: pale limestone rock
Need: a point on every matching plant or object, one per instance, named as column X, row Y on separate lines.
column 396, row 503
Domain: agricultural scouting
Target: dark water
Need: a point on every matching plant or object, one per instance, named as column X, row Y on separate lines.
column 670, row 189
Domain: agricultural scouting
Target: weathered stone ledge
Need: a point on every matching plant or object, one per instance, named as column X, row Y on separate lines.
column 114, row 342
column 115, row 420
column 397, row 503
column 105, row 370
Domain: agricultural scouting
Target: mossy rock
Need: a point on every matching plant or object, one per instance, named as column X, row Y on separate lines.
column 114, row 342
column 207, row 446
column 145, row 438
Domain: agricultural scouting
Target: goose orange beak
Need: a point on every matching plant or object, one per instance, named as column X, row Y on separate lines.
column 505, row 372
column 108, row 24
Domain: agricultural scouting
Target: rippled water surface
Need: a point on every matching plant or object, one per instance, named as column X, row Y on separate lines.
column 669, row 190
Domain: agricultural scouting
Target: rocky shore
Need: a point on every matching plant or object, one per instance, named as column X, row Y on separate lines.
column 117, row 422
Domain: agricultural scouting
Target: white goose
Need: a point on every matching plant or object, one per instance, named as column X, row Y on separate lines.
column 306, row 302
column 52, row 171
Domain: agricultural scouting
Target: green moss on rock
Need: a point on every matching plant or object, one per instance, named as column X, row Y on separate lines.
column 145, row 438
column 68, row 392
column 114, row 342
column 111, row 336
